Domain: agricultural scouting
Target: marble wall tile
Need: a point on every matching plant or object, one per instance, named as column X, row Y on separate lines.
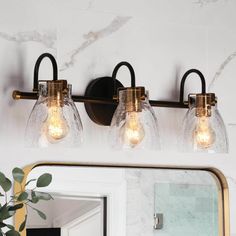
column 167, row 191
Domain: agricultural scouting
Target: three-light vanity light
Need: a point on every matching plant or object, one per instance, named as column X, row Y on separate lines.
column 127, row 110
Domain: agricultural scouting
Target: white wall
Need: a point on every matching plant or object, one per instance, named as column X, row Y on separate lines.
column 60, row 211
column 89, row 226
column 161, row 39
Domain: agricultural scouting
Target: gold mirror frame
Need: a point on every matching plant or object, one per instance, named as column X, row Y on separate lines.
column 224, row 196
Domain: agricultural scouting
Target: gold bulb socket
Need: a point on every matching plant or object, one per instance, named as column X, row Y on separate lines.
column 204, row 102
column 56, row 91
column 133, row 98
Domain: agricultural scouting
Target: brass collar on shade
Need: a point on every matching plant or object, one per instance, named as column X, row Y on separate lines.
column 204, row 102
column 133, row 98
column 56, row 91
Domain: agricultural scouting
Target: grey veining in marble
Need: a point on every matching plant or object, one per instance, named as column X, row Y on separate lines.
column 90, row 5
column 47, row 38
column 94, row 36
column 221, row 69
column 204, row 2
column 231, row 124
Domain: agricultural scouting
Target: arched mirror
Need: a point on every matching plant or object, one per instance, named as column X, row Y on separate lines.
column 96, row 200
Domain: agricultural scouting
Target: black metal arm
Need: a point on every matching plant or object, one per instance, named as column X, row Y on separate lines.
column 132, row 74
column 105, row 100
column 36, row 69
column 185, row 76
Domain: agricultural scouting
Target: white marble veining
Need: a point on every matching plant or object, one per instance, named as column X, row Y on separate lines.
column 93, row 36
column 217, row 75
column 46, row 38
column 204, row 2
column 90, row 5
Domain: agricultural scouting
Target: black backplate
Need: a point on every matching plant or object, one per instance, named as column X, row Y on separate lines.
column 102, row 87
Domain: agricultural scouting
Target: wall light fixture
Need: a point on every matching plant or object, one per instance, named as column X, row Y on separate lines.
column 55, row 119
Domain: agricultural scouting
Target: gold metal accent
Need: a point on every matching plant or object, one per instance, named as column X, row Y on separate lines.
column 133, row 98
column 224, row 208
column 56, row 91
column 16, row 95
column 204, row 102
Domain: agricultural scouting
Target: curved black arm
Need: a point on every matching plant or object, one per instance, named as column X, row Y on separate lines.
column 203, row 82
column 36, row 69
column 132, row 74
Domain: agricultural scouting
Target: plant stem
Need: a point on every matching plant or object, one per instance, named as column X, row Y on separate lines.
column 6, row 197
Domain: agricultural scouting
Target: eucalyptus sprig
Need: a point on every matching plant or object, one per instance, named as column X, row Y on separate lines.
column 24, row 198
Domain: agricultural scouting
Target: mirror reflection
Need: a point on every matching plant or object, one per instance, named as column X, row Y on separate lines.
column 115, row 201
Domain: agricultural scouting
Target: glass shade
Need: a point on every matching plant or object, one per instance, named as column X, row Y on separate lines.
column 134, row 124
column 54, row 119
column 204, row 130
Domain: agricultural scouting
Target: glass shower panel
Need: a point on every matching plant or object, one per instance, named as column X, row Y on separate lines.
column 187, row 209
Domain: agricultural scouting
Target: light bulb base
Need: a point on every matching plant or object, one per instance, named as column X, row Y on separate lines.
column 56, row 90
column 133, row 98
column 204, row 102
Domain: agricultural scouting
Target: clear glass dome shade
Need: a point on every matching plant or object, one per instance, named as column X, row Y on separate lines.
column 134, row 124
column 204, row 133
column 54, row 119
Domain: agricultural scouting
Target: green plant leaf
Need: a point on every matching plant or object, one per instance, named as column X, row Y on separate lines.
column 22, row 226
column 2, row 225
column 10, row 226
column 18, row 175
column 10, row 211
column 34, row 198
column 41, row 214
column 43, row 196
column 44, row 180
column 16, row 207
column 2, row 177
column 5, row 213
column 6, row 185
column 14, row 197
column 23, row 196
column 12, row 232
column 32, row 180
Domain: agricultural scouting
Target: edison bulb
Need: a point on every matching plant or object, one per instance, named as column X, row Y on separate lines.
column 204, row 135
column 132, row 132
column 55, row 127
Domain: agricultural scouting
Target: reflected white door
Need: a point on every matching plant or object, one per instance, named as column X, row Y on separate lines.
column 89, row 224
